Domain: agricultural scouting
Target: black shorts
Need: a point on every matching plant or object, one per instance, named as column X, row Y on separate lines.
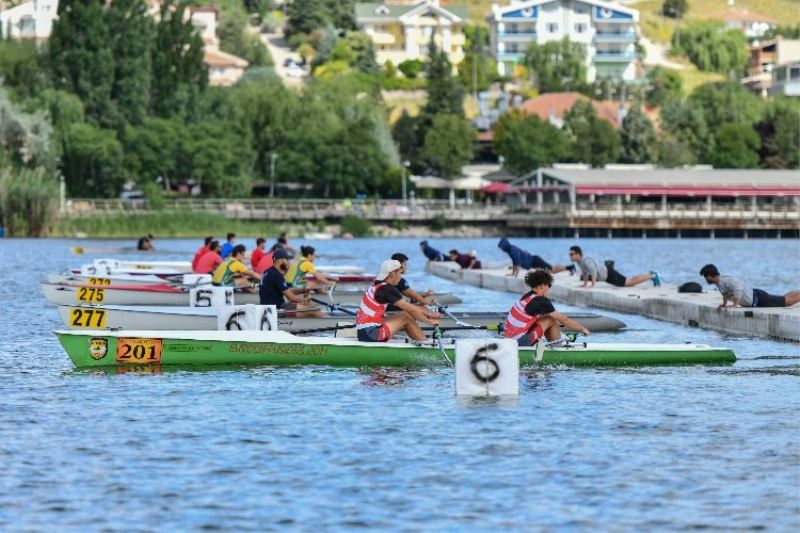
column 763, row 299
column 380, row 333
column 615, row 278
column 538, row 262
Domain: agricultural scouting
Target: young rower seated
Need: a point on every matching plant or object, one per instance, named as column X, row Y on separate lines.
column 533, row 316
column 232, row 272
column 275, row 291
column 373, row 326
column 296, row 275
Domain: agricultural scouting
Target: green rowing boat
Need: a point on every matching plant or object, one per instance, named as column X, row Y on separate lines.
column 98, row 348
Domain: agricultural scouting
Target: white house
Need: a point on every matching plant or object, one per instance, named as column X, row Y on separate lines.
column 607, row 29
column 28, row 20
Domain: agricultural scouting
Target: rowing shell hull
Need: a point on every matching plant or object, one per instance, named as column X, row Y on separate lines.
column 99, row 348
column 205, row 318
column 169, row 295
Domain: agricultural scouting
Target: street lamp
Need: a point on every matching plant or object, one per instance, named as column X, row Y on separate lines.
column 272, row 158
column 406, row 164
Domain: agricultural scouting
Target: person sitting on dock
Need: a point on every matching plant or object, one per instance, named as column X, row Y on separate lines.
column 405, row 288
column 430, row 252
column 741, row 294
column 210, row 260
column 296, row 276
column 232, row 272
column 522, row 259
column 533, row 316
column 372, row 326
column 227, row 248
column 201, row 252
column 465, row 261
column 592, row 271
column 274, row 290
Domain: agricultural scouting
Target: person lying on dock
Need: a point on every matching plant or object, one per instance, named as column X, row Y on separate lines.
column 209, row 261
column 274, row 290
column 533, row 316
column 430, row 252
column 522, row 259
column 296, row 276
column 232, row 272
column 465, row 261
column 741, row 294
column 372, row 326
column 405, row 288
column 592, row 271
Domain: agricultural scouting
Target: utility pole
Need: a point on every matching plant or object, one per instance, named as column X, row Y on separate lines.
column 272, row 157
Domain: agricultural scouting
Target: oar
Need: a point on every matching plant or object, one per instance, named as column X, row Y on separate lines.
column 335, row 307
column 321, row 330
column 464, row 325
column 437, row 337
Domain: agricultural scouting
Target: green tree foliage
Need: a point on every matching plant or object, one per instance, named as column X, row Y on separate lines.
column 91, row 162
column 637, row 137
column 411, row 68
column 212, row 155
column 362, row 51
column 557, row 65
column 445, row 93
column 151, row 150
column 675, row 8
column 179, row 74
column 28, row 201
column 787, row 32
column 527, row 142
column 131, row 30
column 780, row 134
column 711, row 46
column 665, row 84
column 477, row 70
column 672, row 153
column 407, row 137
column 80, row 58
column 594, row 140
column 448, row 145
column 686, row 127
column 736, row 146
column 235, row 39
column 727, row 102
column 21, row 68
column 306, row 16
column 25, row 138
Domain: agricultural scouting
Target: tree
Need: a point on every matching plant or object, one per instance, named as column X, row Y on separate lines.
column 665, row 84
column 81, row 59
column 91, row 162
column 736, row 146
column 675, row 8
column 594, row 140
column 711, row 46
column 25, row 138
column 448, row 145
column 686, row 125
column 476, row 71
column 557, row 65
column 179, row 75
column 445, row 94
column 151, row 150
column 527, row 142
column 213, row 155
column 131, row 31
column 637, row 137
column 406, row 137
column 21, row 68
column 780, row 134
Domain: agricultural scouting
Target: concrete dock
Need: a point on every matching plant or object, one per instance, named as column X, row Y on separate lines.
column 662, row 303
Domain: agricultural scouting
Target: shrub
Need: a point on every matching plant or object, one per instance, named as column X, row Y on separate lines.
column 356, row 226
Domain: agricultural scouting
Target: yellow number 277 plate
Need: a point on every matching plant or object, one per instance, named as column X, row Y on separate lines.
column 86, row 317
column 138, row 351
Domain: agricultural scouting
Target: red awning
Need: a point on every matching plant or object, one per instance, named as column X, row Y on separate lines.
column 687, row 190
column 499, row 187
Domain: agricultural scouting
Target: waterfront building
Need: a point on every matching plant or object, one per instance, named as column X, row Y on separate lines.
column 402, row 30
column 608, row 31
column 28, row 20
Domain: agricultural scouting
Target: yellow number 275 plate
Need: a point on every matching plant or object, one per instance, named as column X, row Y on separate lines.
column 93, row 295
column 84, row 317
column 138, row 351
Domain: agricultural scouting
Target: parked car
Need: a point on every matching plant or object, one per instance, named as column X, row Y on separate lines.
column 295, row 71
column 133, row 199
column 289, row 62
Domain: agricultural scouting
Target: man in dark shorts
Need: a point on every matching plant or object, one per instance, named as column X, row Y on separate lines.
column 373, row 326
column 522, row 259
column 592, row 271
column 741, row 294
column 533, row 316
column 274, row 290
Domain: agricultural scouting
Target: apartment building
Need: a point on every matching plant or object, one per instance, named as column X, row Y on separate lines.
column 607, row 29
column 402, row 30
column 28, row 20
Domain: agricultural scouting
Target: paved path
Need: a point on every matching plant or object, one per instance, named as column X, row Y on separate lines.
column 662, row 303
column 280, row 51
column 656, row 54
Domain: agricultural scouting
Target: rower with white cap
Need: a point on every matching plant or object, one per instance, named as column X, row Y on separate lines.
column 372, row 326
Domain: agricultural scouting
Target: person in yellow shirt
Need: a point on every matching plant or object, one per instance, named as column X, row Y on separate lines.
column 300, row 268
column 232, row 272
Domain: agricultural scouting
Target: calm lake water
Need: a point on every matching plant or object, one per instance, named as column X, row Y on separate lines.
column 633, row 449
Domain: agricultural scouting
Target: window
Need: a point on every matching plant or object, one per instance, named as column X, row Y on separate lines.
column 580, row 8
column 581, row 27
column 552, row 27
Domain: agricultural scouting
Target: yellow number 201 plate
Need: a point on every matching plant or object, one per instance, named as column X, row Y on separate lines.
column 90, row 294
column 85, row 317
column 138, row 351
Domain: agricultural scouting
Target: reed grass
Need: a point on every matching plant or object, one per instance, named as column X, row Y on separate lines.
column 28, row 202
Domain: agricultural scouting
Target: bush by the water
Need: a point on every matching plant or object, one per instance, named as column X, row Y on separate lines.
column 356, row 226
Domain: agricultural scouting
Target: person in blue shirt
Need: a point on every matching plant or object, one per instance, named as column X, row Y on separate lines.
column 274, row 290
column 228, row 246
column 430, row 252
column 522, row 259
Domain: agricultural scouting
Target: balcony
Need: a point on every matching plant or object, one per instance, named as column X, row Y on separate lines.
column 510, row 56
column 517, row 36
column 614, row 57
column 613, row 37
